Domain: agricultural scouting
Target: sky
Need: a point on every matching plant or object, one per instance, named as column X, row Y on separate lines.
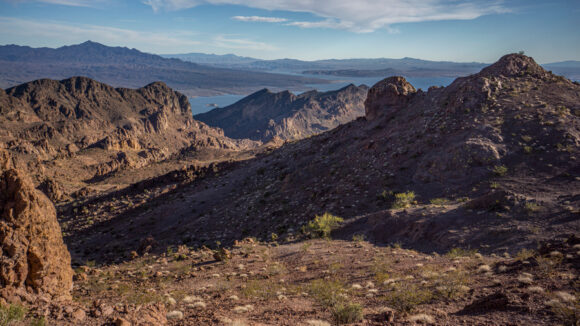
column 442, row 30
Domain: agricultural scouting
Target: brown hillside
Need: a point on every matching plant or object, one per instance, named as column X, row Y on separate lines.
column 491, row 160
column 77, row 130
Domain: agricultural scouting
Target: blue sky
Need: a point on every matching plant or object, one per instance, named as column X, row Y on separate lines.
column 455, row 30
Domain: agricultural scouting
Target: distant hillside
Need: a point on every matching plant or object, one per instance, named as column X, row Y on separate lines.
column 570, row 69
column 265, row 115
column 78, row 129
column 123, row 67
column 409, row 67
column 220, row 60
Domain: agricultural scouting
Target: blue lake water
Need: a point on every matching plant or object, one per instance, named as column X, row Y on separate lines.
column 206, row 103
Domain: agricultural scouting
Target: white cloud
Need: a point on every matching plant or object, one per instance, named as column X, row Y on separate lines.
column 74, row 3
column 229, row 42
column 359, row 15
column 259, row 19
column 66, row 33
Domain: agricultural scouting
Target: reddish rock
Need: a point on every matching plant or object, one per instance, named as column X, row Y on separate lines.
column 33, row 257
column 390, row 93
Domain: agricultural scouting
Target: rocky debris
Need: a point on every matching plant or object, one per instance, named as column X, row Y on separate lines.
column 271, row 117
column 148, row 315
column 53, row 190
column 389, row 94
column 33, row 257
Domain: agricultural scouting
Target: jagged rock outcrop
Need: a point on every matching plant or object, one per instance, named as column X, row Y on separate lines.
column 95, row 129
column 389, row 94
column 266, row 116
column 33, row 257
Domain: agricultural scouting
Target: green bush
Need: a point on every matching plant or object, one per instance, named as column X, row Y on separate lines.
column 11, row 313
column 406, row 297
column 322, row 225
column 404, row 199
column 500, row 170
column 346, row 313
column 327, row 293
column 460, row 252
column 439, row 201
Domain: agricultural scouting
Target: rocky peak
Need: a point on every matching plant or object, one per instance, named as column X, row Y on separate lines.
column 390, row 93
column 513, row 65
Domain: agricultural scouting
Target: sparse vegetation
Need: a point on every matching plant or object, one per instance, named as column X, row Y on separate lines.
column 531, row 207
column 439, row 201
column 322, row 226
column 525, row 254
column 404, row 199
column 500, row 170
column 333, row 295
column 346, row 313
column 405, row 297
column 460, row 252
column 10, row 314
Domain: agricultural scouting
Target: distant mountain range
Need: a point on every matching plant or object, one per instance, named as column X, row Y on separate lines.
column 362, row 67
column 123, row 67
column 265, row 115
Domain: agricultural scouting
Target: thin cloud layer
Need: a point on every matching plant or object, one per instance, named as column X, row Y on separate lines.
column 358, row 16
column 229, row 42
column 73, row 3
column 259, row 19
column 104, row 34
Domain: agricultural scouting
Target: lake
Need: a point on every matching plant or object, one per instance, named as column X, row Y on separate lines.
column 203, row 104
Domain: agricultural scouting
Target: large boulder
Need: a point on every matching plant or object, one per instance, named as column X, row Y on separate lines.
column 388, row 94
column 33, row 257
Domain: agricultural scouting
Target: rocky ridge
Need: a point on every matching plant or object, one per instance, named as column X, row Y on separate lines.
column 265, row 115
column 96, row 130
column 492, row 152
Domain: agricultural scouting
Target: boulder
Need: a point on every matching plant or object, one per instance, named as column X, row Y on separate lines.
column 390, row 93
column 33, row 257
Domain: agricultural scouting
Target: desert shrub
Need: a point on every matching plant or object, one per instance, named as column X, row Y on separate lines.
column 333, row 295
column 525, row 254
column 452, row 285
column 439, row 201
column 567, row 313
column 265, row 289
column 358, row 237
column 404, row 199
column 346, row 313
column 460, row 252
column 9, row 314
column 327, row 293
column 531, row 207
column 406, row 297
column 500, row 170
column 322, row 225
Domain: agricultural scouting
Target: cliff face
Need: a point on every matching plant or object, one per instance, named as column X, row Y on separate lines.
column 265, row 115
column 33, row 257
column 94, row 129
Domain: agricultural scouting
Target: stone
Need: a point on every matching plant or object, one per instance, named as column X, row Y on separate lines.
column 33, row 256
column 389, row 94
column 121, row 322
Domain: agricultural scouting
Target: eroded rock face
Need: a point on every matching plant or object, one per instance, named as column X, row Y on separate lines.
column 390, row 93
column 33, row 257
